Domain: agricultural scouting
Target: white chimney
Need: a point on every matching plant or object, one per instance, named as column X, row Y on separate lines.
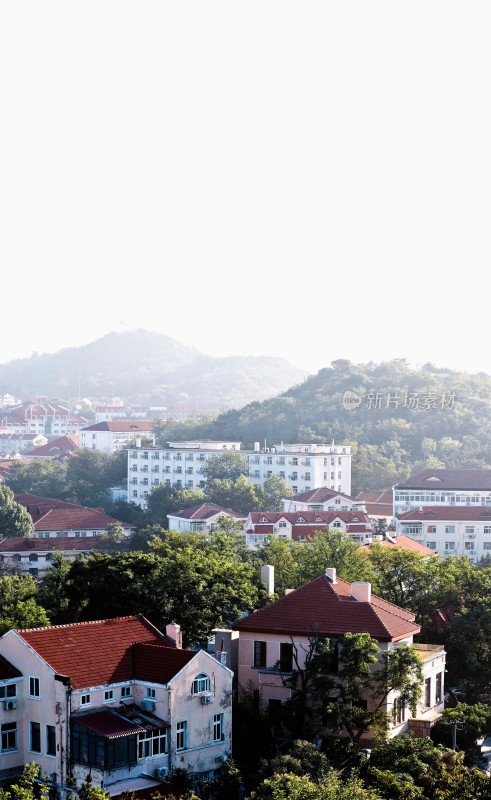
column 256, row 447
column 138, row 442
column 331, row 574
column 361, row 591
column 267, row 577
column 173, row 631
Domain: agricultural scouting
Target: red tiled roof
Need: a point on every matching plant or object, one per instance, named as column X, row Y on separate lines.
column 406, row 543
column 93, row 653
column 37, row 506
column 439, row 513
column 262, row 529
column 108, row 724
column 18, row 544
column 321, row 495
column 204, row 511
column 323, row 518
column 159, row 664
column 65, row 444
column 76, row 519
column 330, row 610
column 122, row 426
column 478, row 479
column 7, row 670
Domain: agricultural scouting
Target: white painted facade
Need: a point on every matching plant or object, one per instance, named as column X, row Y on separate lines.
column 196, row 717
column 303, row 467
column 469, row 535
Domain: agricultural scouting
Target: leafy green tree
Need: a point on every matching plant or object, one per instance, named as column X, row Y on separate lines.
column 227, row 465
column 18, row 606
column 304, row 758
column 238, row 495
column 90, row 474
column 295, row 787
column 474, row 721
column 42, row 477
column 52, row 593
column 15, row 520
column 274, row 489
column 30, row 785
column 355, row 696
column 87, row 790
column 165, row 500
column 332, row 549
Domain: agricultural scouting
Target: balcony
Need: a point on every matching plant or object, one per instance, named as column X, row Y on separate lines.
column 427, row 652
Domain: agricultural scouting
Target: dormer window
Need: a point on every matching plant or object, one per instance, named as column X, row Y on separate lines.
column 263, row 519
column 300, row 519
column 201, row 684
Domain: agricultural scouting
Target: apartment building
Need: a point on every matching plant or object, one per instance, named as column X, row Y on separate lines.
column 443, row 487
column 299, row 526
column 459, row 530
column 303, row 466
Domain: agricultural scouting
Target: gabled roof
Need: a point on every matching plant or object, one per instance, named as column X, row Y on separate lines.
column 313, row 518
column 57, row 447
column 159, row 664
column 204, row 511
column 94, row 653
column 321, row 495
column 122, row 426
column 406, row 543
column 56, row 515
column 328, row 609
column 437, row 479
column 7, row 670
column 19, row 544
column 442, row 513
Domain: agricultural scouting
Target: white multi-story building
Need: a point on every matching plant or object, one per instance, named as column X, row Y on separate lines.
column 302, row 466
column 443, row 487
column 450, row 530
column 107, row 437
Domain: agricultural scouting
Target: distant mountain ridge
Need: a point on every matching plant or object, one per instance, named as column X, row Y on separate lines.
column 149, row 368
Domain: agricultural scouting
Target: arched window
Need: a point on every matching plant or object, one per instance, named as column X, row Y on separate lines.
column 201, row 683
column 33, row 557
column 16, row 557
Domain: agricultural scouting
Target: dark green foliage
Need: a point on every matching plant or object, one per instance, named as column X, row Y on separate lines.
column 15, row 520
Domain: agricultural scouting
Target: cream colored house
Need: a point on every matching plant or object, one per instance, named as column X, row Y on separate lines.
column 332, row 607
column 116, row 698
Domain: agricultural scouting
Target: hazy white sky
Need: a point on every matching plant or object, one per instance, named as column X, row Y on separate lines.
column 309, row 179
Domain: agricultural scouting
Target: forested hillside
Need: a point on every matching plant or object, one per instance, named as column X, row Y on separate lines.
column 407, row 419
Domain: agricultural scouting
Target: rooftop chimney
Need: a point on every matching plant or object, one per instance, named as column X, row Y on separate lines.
column 173, row 631
column 361, row 591
column 267, row 577
column 331, row 574
column 256, row 447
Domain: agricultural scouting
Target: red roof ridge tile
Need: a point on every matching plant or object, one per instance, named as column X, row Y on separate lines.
column 83, row 622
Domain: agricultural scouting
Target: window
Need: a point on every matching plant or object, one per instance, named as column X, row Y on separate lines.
column 218, row 732
column 431, row 529
column 486, row 546
column 9, row 736
column 469, row 528
column 286, row 657
column 181, row 735
column 108, row 695
column 449, row 545
column 34, row 687
column 126, row 691
column 151, row 693
column 85, row 699
column 281, row 524
column 259, row 654
column 439, row 688
column 398, row 711
column 8, row 690
column 35, row 737
column 469, row 546
column 487, row 529
column 449, row 528
column 50, row 740
column 201, row 684
column 427, row 692
column 152, row 743
column 431, row 545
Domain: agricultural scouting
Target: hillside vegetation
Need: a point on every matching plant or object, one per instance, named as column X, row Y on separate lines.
column 408, row 419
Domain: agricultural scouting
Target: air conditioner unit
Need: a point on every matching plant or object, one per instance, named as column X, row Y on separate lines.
column 206, row 698
column 147, row 704
column 161, row 772
column 9, row 705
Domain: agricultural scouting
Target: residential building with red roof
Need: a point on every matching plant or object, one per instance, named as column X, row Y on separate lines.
column 48, row 419
column 450, row 530
column 107, row 437
column 33, row 556
column 379, row 505
column 322, row 499
column 116, row 698
column 443, row 487
column 12, row 444
column 403, row 541
column 56, row 449
column 329, row 607
column 61, row 519
column 300, row 525
column 203, row 517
